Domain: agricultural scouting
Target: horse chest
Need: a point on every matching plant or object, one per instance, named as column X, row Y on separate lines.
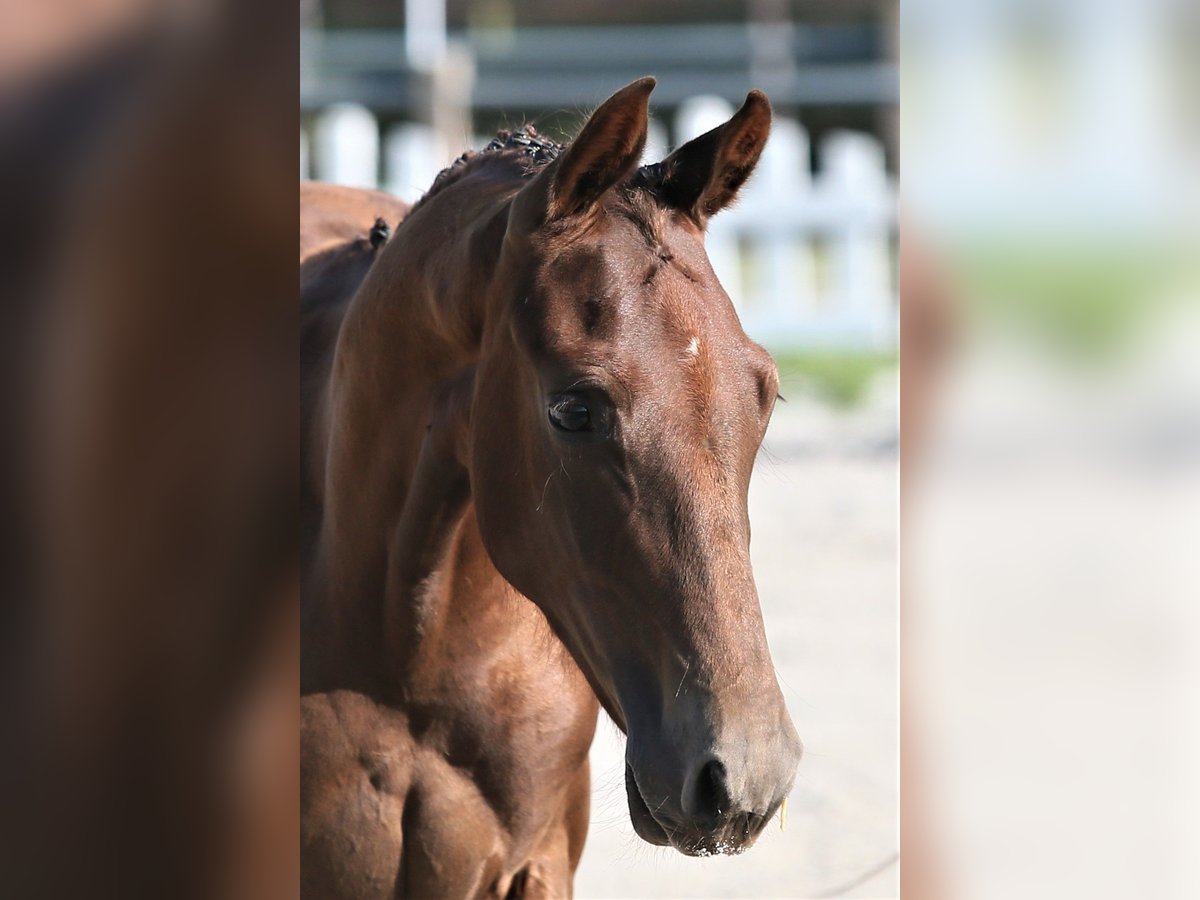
column 472, row 776
column 505, row 703
column 459, row 802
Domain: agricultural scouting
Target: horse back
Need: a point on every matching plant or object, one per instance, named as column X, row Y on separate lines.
column 332, row 215
column 340, row 237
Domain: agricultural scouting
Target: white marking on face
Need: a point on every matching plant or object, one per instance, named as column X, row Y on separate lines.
column 693, row 346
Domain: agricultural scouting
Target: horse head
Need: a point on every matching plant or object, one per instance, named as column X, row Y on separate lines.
column 618, row 409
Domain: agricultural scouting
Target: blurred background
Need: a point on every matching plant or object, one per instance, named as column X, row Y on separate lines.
column 1051, row 448
column 391, row 93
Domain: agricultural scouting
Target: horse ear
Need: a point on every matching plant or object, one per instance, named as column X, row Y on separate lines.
column 607, row 150
column 703, row 176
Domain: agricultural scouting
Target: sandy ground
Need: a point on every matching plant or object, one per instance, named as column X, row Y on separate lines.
column 823, row 509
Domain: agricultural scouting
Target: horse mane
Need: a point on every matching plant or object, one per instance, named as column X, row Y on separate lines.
column 523, row 145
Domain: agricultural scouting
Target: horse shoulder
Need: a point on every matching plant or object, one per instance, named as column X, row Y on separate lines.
column 381, row 816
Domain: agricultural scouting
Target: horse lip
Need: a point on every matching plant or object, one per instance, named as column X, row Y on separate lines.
column 647, row 827
column 729, row 838
column 734, row 836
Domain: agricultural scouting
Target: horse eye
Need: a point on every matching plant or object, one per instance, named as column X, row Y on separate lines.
column 569, row 412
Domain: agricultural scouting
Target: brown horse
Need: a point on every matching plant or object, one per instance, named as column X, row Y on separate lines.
column 332, row 216
column 533, row 454
column 341, row 232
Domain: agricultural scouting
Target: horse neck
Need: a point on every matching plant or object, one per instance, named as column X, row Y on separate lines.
column 422, row 307
column 396, row 490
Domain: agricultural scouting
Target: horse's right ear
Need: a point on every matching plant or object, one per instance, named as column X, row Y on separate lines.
column 703, row 176
column 607, row 151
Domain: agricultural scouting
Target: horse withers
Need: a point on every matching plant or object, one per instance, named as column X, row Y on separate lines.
column 531, row 457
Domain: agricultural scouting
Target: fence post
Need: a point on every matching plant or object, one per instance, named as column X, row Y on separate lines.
column 346, row 139
column 657, row 142
column 855, row 178
column 413, row 156
column 781, row 183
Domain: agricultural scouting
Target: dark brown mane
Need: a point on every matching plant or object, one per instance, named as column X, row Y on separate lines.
column 531, row 151
column 521, row 145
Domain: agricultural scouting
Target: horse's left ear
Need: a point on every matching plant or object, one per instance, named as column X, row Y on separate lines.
column 703, row 176
column 607, row 150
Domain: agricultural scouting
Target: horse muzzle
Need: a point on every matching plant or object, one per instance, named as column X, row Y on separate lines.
column 715, row 810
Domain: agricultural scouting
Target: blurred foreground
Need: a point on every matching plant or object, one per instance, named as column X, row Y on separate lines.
column 148, row 462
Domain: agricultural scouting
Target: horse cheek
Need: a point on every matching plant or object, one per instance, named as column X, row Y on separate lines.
column 497, row 477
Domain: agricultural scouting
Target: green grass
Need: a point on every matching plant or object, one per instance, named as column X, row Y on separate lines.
column 840, row 378
column 1086, row 302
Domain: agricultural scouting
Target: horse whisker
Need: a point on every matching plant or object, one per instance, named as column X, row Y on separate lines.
column 545, row 488
column 687, row 665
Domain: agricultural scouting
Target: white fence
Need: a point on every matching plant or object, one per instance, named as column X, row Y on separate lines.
column 808, row 260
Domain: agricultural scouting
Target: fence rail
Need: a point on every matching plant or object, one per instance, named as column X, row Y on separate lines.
column 808, row 259
column 539, row 68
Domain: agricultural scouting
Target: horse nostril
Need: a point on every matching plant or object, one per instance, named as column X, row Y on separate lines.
column 711, row 791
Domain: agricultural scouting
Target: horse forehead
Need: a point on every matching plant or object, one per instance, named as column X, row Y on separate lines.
column 606, row 259
column 627, row 233
column 579, row 270
column 593, row 286
column 632, row 291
